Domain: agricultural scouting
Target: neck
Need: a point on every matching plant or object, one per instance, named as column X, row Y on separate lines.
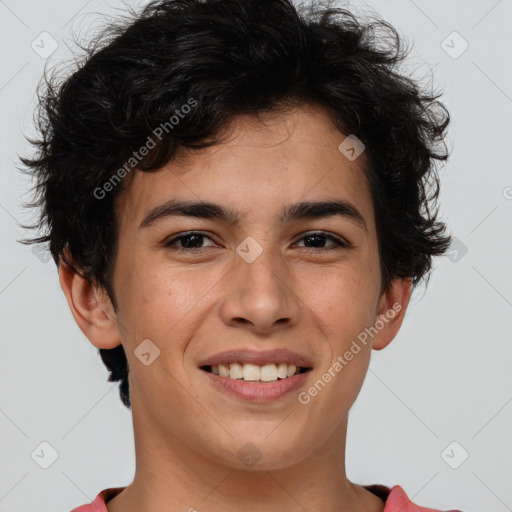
column 175, row 477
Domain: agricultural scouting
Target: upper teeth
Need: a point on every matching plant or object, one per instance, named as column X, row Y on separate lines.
column 266, row 373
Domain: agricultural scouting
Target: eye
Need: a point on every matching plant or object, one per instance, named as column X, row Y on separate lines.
column 317, row 237
column 193, row 241
column 189, row 241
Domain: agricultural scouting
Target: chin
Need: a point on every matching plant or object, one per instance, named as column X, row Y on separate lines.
column 263, row 451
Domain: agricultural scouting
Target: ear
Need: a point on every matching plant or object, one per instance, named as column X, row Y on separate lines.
column 390, row 312
column 90, row 306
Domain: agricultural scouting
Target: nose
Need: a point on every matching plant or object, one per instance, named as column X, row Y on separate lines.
column 260, row 297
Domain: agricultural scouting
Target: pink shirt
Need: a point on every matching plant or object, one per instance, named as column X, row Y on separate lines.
column 395, row 499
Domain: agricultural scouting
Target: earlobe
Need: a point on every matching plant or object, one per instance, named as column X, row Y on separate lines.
column 91, row 308
column 391, row 310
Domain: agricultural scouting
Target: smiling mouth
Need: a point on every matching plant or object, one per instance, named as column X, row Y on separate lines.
column 255, row 373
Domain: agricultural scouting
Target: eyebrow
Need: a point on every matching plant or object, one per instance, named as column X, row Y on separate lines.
column 298, row 211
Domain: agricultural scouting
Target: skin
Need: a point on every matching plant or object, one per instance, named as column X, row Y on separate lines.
column 187, row 433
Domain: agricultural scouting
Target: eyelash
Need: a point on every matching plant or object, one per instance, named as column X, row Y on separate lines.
column 341, row 244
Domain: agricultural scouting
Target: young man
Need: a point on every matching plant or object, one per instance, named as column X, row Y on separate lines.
column 240, row 199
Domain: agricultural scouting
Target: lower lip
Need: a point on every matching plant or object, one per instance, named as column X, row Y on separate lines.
column 258, row 391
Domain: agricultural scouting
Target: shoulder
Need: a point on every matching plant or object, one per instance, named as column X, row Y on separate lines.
column 396, row 499
column 99, row 503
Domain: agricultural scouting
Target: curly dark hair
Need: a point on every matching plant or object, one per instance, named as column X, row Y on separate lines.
column 231, row 57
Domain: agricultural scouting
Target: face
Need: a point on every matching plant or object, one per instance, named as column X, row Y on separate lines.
column 278, row 288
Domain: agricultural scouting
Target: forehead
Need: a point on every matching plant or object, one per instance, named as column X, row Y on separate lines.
column 260, row 165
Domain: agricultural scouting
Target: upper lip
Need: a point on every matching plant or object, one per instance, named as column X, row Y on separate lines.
column 258, row 357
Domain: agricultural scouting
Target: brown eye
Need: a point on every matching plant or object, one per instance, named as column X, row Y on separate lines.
column 316, row 240
column 191, row 241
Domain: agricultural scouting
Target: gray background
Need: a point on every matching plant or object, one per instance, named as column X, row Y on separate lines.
column 445, row 378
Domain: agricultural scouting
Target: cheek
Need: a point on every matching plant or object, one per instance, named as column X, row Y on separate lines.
column 344, row 299
column 344, row 305
column 163, row 304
